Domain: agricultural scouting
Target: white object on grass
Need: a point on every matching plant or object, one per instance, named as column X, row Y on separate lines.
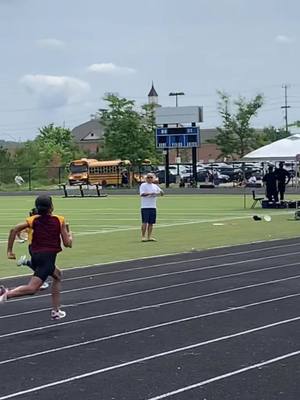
column 267, row 218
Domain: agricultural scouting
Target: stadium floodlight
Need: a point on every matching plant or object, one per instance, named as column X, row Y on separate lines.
column 176, row 94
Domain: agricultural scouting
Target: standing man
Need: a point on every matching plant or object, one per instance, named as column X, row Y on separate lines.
column 283, row 178
column 149, row 192
column 270, row 182
column 19, row 180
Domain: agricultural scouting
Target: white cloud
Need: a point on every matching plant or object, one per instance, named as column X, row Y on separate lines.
column 284, row 39
column 110, row 68
column 56, row 91
column 50, row 43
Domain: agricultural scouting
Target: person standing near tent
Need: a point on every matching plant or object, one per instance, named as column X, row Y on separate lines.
column 270, row 182
column 283, row 177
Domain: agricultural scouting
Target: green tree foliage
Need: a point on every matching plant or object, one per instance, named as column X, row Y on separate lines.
column 236, row 137
column 5, row 158
column 128, row 134
column 27, row 156
column 56, row 145
column 270, row 134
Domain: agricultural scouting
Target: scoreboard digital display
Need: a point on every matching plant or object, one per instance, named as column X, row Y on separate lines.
column 182, row 137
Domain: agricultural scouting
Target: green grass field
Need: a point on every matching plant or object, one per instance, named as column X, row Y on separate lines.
column 108, row 229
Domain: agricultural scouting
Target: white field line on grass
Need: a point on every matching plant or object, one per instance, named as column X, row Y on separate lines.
column 167, row 225
column 142, row 308
column 185, row 271
column 134, row 228
column 147, row 328
column 167, row 353
column 186, row 222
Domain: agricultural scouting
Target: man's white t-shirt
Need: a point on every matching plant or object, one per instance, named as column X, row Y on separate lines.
column 149, row 201
column 19, row 180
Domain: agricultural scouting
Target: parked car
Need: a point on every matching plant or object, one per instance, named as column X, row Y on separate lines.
column 161, row 175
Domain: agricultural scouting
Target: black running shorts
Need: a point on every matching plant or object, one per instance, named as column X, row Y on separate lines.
column 43, row 264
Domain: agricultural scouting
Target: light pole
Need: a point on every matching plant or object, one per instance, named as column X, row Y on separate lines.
column 176, row 94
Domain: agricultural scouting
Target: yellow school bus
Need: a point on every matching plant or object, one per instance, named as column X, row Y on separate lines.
column 91, row 172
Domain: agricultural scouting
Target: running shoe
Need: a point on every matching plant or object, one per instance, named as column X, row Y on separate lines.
column 22, row 261
column 58, row 314
column 3, row 294
column 44, row 286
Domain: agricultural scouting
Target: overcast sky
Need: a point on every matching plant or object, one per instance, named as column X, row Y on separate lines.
column 59, row 57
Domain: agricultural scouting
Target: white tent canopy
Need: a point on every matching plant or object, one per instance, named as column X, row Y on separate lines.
column 286, row 149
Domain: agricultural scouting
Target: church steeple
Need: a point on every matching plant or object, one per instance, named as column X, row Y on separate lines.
column 152, row 95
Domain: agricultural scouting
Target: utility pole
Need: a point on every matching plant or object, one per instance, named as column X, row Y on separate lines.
column 285, row 87
column 176, row 94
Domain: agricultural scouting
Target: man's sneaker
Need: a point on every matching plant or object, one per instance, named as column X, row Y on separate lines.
column 22, row 261
column 58, row 314
column 3, row 294
column 44, row 286
column 152, row 239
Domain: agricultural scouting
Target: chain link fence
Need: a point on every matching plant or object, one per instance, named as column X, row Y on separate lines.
column 32, row 178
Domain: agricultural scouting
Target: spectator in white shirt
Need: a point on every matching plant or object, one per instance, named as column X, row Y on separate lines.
column 19, row 180
column 149, row 192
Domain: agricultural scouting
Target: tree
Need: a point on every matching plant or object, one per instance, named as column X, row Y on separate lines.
column 236, row 137
column 5, row 158
column 270, row 134
column 128, row 134
column 56, row 144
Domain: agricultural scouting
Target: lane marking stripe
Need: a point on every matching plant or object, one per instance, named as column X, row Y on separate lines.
column 163, row 354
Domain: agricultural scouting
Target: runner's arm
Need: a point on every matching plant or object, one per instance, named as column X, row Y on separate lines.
column 12, row 236
column 66, row 235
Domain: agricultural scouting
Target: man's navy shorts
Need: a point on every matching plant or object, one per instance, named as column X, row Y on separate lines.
column 43, row 264
column 148, row 215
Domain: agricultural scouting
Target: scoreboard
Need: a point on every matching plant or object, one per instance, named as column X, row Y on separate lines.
column 182, row 137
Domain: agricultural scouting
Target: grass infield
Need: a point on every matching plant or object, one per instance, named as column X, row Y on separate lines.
column 108, row 229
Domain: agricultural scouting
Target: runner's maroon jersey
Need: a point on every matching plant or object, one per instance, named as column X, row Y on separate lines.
column 46, row 231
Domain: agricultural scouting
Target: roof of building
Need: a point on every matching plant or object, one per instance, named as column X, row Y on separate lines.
column 152, row 92
column 88, row 131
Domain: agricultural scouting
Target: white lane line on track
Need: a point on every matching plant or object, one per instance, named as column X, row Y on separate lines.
column 41, row 328
column 169, row 264
column 194, row 282
column 173, row 322
column 173, row 262
column 155, row 276
column 227, row 375
column 163, row 354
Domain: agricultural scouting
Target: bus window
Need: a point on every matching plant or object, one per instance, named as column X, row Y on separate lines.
column 77, row 169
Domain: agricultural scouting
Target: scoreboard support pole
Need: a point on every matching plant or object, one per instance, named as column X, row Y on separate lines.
column 167, row 172
column 194, row 163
